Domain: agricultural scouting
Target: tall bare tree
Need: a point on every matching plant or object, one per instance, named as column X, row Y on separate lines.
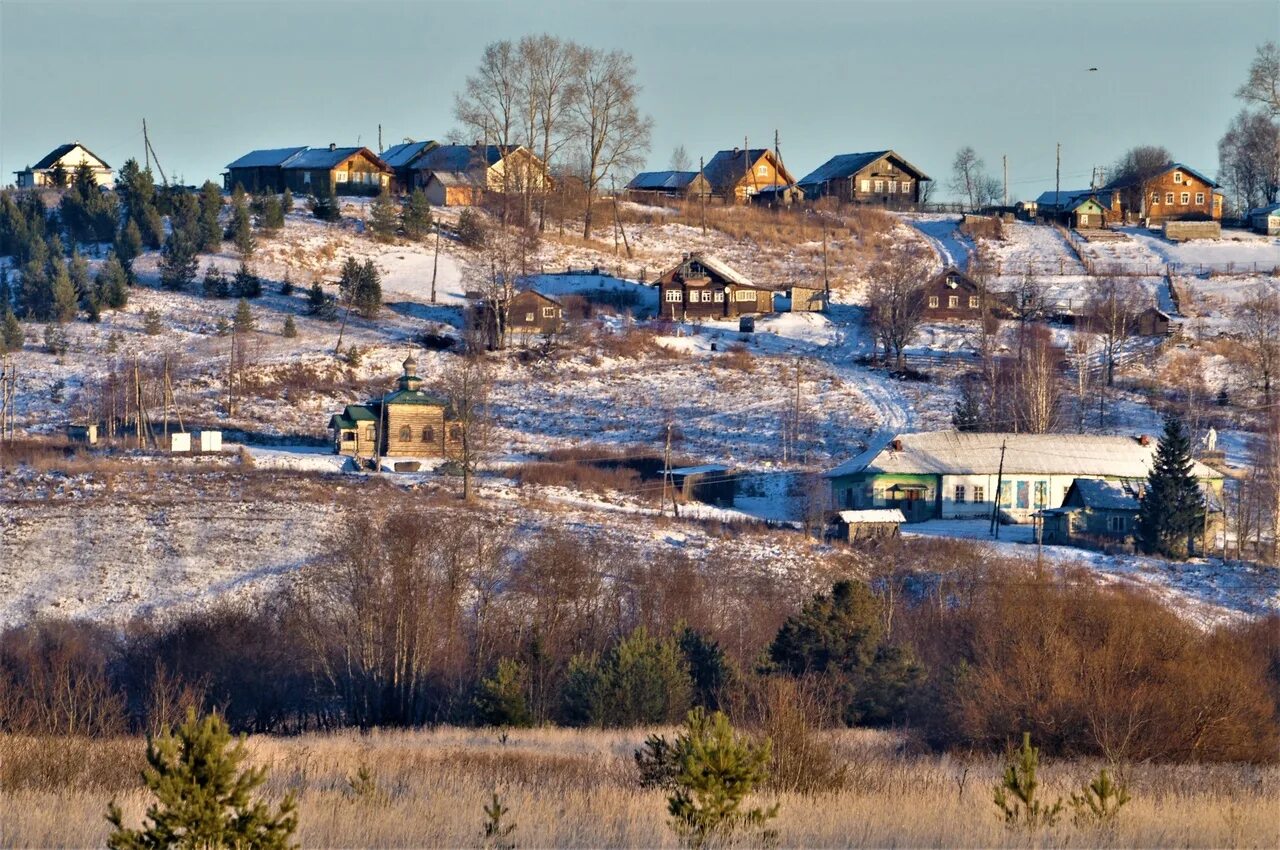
column 1263, row 86
column 1110, row 312
column 896, row 297
column 1258, row 319
column 969, row 179
column 467, row 384
column 489, row 107
column 1132, row 171
column 1038, row 385
column 551, row 85
column 610, row 129
column 680, row 160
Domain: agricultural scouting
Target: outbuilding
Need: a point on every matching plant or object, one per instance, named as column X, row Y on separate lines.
column 871, row 524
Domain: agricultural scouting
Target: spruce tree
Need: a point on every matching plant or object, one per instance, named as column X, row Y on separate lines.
column 78, row 269
column 415, row 219
column 286, row 201
column 246, row 283
column 204, row 795
column 129, row 246
column 178, row 262
column 11, row 334
column 290, row 329
column 324, row 205
column 319, row 304
column 272, row 214
column 210, row 206
column 66, row 302
column 215, row 283
column 242, row 229
column 113, row 284
column 470, row 230
column 1171, row 510
column 243, row 320
column 368, row 299
column 286, row 285
column 384, row 216
column 152, row 322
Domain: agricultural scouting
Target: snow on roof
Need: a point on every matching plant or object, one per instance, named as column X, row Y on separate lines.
column 721, row 268
column 1072, row 198
column 1269, row 209
column 964, row 453
column 700, row 470
column 459, row 158
column 320, row 157
column 876, row 515
column 653, row 180
column 404, row 153
column 848, row 164
column 266, row 157
column 1105, row 495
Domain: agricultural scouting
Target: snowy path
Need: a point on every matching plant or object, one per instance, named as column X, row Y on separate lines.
column 943, row 234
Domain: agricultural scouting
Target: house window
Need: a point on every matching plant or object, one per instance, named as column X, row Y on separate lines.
column 953, row 301
column 719, row 296
column 1185, row 198
column 1199, row 198
column 973, row 302
column 933, row 301
column 1006, row 494
column 548, row 312
column 455, row 432
column 906, row 187
column 979, row 494
column 1042, row 494
column 1155, row 199
column 959, row 493
column 879, row 185
column 406, row 433
column 528, row 318
column 306, row 178
column 893, row 187
column 744, row 295
column 428, row 434
column 673, row 295
column 340, row 176
column 762, row 170
column 1118, row 524
column 1168, row 197
column 866, row 185
column 1177, row 177
column 695, row 296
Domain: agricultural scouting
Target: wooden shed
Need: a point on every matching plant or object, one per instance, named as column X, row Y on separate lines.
column 1153, row 322
column 712, row 484
column 807, row 299
column 871, row 524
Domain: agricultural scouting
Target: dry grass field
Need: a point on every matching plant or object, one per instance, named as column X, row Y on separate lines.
column 579, row 789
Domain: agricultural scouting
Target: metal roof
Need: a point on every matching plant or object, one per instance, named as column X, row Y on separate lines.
column 1072, row 198
column 414, row 397
column 727, row 168
column 266, row 157
column 705, row 469
column 1104, row 495
column 62, row 150
column 872, row 515
column 653, row 180
column 848, row 164
column 969, row 453
column 459, row 157
column 322, row 157
column 398, row 156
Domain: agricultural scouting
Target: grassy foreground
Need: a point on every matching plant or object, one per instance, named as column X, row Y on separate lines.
column 579, row 789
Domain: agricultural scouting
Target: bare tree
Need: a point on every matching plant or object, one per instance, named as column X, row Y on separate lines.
column 680, row 160
column 1132, row 171
column 612, row 132
column 1263, row 85
column 550, row 86
column 467, row 384
column 970, row 181
column 896, row 297
column 1038, row 387
column 1258, row 320
column 489, row 107
column 1110, row 312
column 1249, row 159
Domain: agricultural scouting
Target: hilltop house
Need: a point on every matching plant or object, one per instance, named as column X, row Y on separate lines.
column 348, row 171
column 401, row 159
column 459, row 175
column 1076, row 208
column 259, row 171
column 650, row 186
column 59, row 166
column 951, row 295
column 735, row 175
column 955, row 475
column 528, row 313
column 705, row 287
column 874, row 177
column 406, row 422
column 1177, row 193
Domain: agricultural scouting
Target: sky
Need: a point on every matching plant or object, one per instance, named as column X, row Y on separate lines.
column 217, row 78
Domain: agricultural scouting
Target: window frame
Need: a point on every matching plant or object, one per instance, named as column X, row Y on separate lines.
column 674, row 296
column 1199, row 198
column 1184, row 199
column 974, row 302
column 1168, row 198
column 953, row 302
column 933, row 302
column 979, row 494
column 959, row 494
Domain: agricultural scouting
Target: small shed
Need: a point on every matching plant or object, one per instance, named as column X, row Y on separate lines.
column 1265, row 219
column 870, row 524
column 712, row 483
column 1153, row 322
column 1094, row 511
column 84, row 433
column 807, row 299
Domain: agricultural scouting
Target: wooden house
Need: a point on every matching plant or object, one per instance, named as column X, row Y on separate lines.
column 459, row 175
column 59, row 166
column 1176, row 193
column 529, row 313
column 871, row 524
column 705, row 287
column 1153, row 322
column 406, row 422
column 649, row 187
column 711, row 484
column 348, row 171
column 1076, row 208
column 1265, row 219
column 735, row 175
column 873, row 177
column 401, row 159
column 260, row 170
column 1093, row 512
column 951, row 296
column 805, row 299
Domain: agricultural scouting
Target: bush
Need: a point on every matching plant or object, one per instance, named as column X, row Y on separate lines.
column 640, row 680
column 470, row 230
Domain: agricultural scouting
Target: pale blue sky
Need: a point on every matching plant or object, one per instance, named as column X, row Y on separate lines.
column 215, row 79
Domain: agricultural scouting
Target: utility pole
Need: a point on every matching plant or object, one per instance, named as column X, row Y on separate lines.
column 795, row 425
column 435, row 264
column 666, row 478
column 379, row 138
column 1004, row 161
column 826, row 277
column 702, row 193
column 995, row 500
column 1057, row 175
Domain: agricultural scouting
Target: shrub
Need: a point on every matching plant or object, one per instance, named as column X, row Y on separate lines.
column 1099, row 802
column 470, row 230
column 151, row 322
column 289, row 330
column 1016, row 794
column 640, row 680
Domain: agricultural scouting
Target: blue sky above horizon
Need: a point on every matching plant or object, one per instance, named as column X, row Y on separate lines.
column 216, row 78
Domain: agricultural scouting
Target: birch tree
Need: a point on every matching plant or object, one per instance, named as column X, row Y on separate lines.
column 551, row 84
column 896, row 296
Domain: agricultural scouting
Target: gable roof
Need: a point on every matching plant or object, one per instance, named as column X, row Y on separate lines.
column 413, row 397
column 62, row 150
column 1070, row 199
column 266, row 157
column 656, row 180
column 846, row 165
column 1102, row 495
column 536, row 293
column 963, row 453
column 401, row 155
column 728, row 168
column 945, row 276
column 716, row 266
column 327, row 157
column 458, row 158
column 1125, row 182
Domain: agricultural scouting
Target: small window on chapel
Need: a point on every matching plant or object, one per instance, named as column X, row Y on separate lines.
column 428, row 434
column 406, row 433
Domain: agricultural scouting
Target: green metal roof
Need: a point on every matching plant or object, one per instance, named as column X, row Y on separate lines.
column 413, row 397
column 359, row 413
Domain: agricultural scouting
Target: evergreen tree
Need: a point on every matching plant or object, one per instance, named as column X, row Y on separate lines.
column 500, row 699
column 286, row 201
column 178, row 263
column 6, row 293
column 286, row 285
column 246, row 283
column 204, row 797
column 129, row 246
column 78, row 269
column 137, row 190
column 289, row 330
column 384, row 217
column 1171, row 510
column 324, row 205
column 11, row 334
column 58, row 176
column 709, row 668
column 215, row 283
column 36, row 298
column 243, row 320
column 152, row 322
column 1016, row 794
column 106, row 217
column 152, row 229
column 470, row 231
column 368, row 299
column 319, row 304
column 272, row 214
column 640, row 680
column 210, row 206
column 415, row 219
column 113, row 284
column 65, row 299
column 242, row 228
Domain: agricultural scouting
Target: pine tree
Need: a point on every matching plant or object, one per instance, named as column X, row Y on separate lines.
column 178, row 263
column 286, row 201
column 112, row 284
column 384, row 217
column 319, row 304
column 368, row 297
column 289, row 330
column 66, row 302
column 243, row 320
column 1171, row 510
column 246, row 283
column 1016, row 794
column 324, row 205
column 272, row 214
column 286, row 285
column 11, row 334
column 152, row 323
column 470, row 231
column 215, row 283
column 129, row 246
column 415, row 218
column 78, row 269
column 210, row 206
column 242, row 229
column 500, row 698
column 204, row 797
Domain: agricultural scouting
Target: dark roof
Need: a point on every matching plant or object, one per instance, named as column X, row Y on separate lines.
column 459, row 157
column 401, row 155
column 726, row 168
column 846, row 165
column 266, row 157
column 658, row 180
column 946, row 275
column 1102, row 495
column 62, row 150
column 414, row 397
column 1072, row 198
column 1123, row 182
column 326, row 157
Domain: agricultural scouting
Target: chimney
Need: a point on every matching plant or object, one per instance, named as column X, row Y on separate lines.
column 1144, row 440
column 333, row 146
column 896, row 445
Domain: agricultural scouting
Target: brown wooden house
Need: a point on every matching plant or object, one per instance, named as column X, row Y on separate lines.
column 348, row 171
column 459, row 175
column 260, row 170
column 704, row 287
column 950, row 296
column 1178, row 193
column 406, row 422
column 735, row 175
column 650, row 187
column 529, row 313
column 873, row 177
column 1153, row 322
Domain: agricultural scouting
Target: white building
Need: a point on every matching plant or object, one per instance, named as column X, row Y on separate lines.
column 65, row 158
